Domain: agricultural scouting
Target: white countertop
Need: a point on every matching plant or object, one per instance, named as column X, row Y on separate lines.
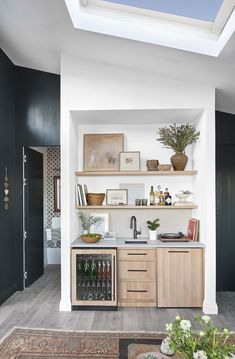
column 120, row 243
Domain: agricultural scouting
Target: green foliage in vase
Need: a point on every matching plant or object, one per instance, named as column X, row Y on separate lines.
column 178, row 137
column 209, row 343
column 88, row 221
column 153, row 225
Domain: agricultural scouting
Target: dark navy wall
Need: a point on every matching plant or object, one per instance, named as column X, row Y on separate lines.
column 37, row 120
column 8, row 270
column 225, row 201
column 37, row 107
column 29, row 116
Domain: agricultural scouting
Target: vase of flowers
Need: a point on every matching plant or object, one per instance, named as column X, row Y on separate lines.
column 209, row 343
column 177, row 138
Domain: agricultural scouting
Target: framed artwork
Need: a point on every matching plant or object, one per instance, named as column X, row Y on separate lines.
column 130, row 161
column 101, row 151
column 103, row 226
column 56, row 193
column 116, row 197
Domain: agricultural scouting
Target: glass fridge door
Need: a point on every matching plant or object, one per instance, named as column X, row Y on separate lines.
column 94, row 277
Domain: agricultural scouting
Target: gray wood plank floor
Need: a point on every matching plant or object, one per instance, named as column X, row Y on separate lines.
column 38, row 307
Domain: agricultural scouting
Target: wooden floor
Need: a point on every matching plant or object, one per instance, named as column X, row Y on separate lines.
column 38, row 307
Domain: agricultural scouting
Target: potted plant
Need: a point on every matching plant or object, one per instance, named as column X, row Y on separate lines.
column 86, row 223
column 209, row 343
column 177, row 138
column 152, row 226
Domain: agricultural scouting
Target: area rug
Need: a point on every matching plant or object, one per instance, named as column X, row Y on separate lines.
column 47, row 344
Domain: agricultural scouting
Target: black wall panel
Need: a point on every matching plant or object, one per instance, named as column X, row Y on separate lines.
column 225, row 201
column 37, row 107
column 8, row 269
column 29, row 116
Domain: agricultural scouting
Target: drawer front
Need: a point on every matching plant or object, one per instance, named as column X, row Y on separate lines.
column 137, row 271
column 137, row 292
column 136, row 254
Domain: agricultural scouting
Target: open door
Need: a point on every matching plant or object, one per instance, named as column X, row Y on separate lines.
column 33, row 216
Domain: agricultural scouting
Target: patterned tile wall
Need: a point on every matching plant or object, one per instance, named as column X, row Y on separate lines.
column 53, row 169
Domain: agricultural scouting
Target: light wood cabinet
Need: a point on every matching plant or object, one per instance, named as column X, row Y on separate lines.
column 137, row 277
column 180, row 277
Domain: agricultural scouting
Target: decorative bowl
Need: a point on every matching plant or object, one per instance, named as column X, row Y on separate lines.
column 182, row 196
column 95, row 199
column 91, row 238
column 164, row 167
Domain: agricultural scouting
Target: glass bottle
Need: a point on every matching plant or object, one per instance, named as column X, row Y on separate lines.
column 168, row 199
column 157, row 193
column 151, row 197
column 93, row 270
column 161, row 201
column 99, row 270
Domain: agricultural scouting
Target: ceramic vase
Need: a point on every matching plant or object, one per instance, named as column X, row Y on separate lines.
column 179, row 161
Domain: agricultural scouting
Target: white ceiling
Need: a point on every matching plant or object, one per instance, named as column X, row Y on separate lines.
column 34, row 33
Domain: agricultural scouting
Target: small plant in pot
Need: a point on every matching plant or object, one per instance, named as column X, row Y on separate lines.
column 177, row 138
column 152, row 226
column 86, row 223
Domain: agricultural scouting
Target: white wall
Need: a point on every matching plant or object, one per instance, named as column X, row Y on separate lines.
column 87, row 85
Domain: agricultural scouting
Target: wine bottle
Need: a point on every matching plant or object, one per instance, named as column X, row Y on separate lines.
column 151, row 197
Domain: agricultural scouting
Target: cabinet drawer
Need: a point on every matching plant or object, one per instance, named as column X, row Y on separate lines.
column 137, row 271
column 137, row 254
column 137, row 292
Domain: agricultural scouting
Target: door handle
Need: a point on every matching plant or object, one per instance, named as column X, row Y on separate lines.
column 137, row 291
column 136, row 270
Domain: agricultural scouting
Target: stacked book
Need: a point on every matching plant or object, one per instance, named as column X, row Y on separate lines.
column 80, row 195
column 193, row 230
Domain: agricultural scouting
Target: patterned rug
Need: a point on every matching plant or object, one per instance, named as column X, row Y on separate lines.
column 47, row 344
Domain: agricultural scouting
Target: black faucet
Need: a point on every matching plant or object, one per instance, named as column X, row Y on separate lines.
column 135, row 232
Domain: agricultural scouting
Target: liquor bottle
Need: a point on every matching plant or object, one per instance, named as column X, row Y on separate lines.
column 157, row 193
column 168, row 199
column 161, row 201
column 151, row 197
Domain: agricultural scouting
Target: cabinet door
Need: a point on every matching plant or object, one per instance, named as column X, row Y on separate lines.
column 180, row 277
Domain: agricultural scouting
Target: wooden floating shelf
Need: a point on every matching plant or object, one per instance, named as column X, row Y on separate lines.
column 135, row 173
column 189, row 206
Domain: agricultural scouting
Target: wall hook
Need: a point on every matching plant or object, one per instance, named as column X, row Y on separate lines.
column 6, row 190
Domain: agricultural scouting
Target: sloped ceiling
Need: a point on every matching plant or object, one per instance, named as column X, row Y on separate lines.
column 34, row 33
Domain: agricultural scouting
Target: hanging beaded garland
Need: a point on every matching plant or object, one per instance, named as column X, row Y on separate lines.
column 6, row 191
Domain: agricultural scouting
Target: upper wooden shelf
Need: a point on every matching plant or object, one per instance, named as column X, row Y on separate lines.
column 129, row 206
column 136, row 173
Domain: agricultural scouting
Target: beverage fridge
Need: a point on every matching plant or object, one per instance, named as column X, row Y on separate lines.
column 94, row 278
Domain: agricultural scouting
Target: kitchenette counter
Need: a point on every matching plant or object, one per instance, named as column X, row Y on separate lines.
column 120, row 243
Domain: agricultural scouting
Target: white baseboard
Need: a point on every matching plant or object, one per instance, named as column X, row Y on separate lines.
column 210, row 308
column 65, row 306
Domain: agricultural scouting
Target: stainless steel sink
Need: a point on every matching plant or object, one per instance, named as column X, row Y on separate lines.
column 135, row 241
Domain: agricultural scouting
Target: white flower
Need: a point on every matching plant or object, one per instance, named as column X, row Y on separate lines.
column 226, row 331
column 206, row 318
column 177, row 317
column 168, row 327
column 201, row 333
column 200, row 354
column 185, row 325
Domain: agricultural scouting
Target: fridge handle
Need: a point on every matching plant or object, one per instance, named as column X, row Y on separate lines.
column 114, row 275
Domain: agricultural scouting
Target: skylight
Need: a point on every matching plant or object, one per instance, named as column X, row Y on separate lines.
column 201, row 26
column 206, row 10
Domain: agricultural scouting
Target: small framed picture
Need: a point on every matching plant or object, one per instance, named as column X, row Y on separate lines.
column 130, row 161
column 116, row 197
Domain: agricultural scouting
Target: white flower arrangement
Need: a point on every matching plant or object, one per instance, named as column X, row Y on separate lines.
column 209, row 343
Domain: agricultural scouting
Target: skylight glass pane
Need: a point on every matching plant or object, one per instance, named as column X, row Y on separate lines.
column 198, row 9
